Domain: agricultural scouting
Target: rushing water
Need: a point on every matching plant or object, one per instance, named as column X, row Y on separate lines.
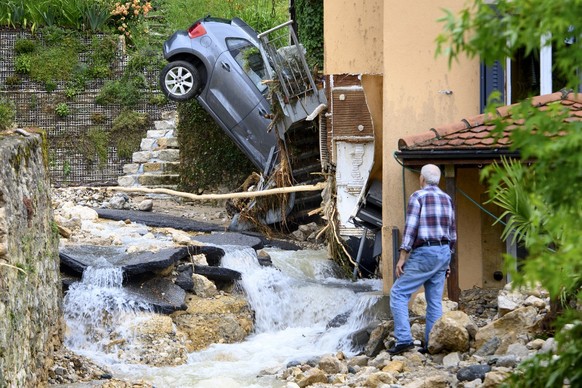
column 294, row 302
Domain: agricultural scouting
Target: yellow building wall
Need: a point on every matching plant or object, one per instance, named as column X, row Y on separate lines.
column 469, row 228
column 395, row 42
column 352, row 31
column 420, row 92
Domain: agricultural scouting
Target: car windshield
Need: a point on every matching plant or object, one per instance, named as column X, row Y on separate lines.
column 249, row 58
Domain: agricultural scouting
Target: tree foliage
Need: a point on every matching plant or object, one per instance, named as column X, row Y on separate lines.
column 541, row 194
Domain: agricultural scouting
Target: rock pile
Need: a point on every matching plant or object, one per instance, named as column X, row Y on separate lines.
column 464, row 351
column 213, row 312
column 476, row 343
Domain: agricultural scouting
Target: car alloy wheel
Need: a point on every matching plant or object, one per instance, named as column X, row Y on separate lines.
column 179, row 80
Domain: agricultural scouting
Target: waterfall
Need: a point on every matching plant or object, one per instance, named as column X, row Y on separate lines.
column 301, row 292
column 98, row 312
column 296, row 302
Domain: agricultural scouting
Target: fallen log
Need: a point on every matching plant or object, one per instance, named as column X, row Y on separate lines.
column 204, row 197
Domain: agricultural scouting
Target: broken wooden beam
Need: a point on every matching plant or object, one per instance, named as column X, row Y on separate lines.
column 203, row 197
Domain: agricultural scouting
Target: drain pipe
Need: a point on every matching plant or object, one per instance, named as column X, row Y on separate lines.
column 359, row 256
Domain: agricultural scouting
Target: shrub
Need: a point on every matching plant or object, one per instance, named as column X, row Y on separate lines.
column 103, row 53
column 95, row 144
column 62, row 109
column 126, row 15
column 13, row 82
column 98, row 118
column 127, row 131
column 7, row 114
column 206, row 152
column 124, row 92
column 54, row 64
column 23, row 63
column 24, row 46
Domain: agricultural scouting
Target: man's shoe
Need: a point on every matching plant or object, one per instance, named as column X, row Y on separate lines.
column 400, row 348
column 423, row 350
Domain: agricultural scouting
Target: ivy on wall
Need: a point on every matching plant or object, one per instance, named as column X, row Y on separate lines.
column 209, row 159
column 309, row 14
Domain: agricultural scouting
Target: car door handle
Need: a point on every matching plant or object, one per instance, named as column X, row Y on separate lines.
column 225, row 66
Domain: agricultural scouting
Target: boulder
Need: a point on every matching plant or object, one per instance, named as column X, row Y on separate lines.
column 378, row 379
column 452, row 332
column 184, row 277
column 519, row 320
column 489, row 347
column 206, row 321
column 158, row 220
column 213, row 254
column 473, row 372
column 310, row 377
column 418, row 305
column 376, row 342
column 203, row 287
column 217, row 273
column 331, row 365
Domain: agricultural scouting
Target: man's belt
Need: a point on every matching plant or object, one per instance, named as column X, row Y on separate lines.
column 431, row 243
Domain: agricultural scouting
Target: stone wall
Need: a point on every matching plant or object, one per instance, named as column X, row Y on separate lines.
column 30, row 287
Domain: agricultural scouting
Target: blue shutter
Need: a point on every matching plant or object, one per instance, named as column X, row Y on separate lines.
column 492, row 78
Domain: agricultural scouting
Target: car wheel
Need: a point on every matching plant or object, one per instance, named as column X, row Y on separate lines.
column 179, row 80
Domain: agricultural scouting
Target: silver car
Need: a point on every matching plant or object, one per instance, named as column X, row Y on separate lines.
column 218, row 62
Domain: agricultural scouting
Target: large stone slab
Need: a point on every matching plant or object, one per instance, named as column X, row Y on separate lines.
column 230, row 238
column 78, row 258
column 217, row 273
column 158, row 220
column 161, row 293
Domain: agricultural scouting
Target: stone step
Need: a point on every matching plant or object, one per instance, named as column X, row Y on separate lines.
column 156, row 180
column 161, row 168
column 152, row 167
column 159, row 133
column 149, row 180
column 165, row 124
column 153, row 144
column 164, row 155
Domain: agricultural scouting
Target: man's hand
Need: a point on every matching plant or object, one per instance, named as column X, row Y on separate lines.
column 400, row 264
column 448, row 272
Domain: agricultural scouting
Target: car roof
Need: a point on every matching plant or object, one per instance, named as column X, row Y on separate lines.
column 234, row 27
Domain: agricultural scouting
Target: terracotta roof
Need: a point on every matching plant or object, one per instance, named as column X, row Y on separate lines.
column 473, row 133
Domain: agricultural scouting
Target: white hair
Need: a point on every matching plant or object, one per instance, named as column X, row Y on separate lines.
column 431, row 174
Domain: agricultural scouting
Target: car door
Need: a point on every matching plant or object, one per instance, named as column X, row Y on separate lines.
column 236, row 95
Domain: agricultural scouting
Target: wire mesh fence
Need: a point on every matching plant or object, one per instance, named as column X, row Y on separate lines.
column 67, row 119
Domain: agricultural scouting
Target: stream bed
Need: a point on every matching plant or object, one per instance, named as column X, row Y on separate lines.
column 301, row 309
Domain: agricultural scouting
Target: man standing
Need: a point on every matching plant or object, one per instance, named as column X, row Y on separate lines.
column 425, row 254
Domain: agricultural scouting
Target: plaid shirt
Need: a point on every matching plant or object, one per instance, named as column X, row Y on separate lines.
column 430, row 216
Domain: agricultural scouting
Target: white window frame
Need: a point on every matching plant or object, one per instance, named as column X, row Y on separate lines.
column 545, row 69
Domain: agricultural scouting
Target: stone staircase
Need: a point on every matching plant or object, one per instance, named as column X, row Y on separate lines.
column 157, row 163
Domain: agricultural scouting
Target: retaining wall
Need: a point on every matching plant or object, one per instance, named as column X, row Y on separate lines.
column 37, row 108
column 30, row 286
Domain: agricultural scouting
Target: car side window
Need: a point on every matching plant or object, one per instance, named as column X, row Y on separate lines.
column 249, row 58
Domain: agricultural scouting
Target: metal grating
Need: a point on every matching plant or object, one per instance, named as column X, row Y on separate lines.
column 36, row 108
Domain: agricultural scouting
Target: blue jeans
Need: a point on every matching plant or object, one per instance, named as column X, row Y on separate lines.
column 426, row 266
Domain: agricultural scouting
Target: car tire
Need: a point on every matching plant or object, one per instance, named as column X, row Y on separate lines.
column 179, row 80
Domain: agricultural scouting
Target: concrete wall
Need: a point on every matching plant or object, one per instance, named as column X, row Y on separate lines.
column 352, row 32
column 30, row 285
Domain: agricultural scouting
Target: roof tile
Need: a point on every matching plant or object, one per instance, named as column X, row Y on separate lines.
column 475, row 132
